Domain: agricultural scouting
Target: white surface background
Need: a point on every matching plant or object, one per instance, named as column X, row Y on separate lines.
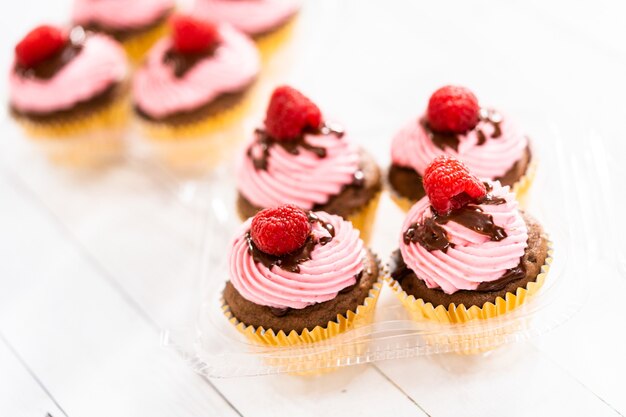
column 93, row 266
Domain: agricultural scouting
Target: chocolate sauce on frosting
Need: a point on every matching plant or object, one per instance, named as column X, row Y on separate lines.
column 509, row 276
column 451, row 140
column 182, row 63
column 265, row 141
column 50, row 67
column 432, row 236
column 290, row 262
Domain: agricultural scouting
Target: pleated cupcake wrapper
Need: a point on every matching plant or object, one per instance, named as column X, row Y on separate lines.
column 85, row 140
column 364, row 218
column 453, row 314
column 211, row 124
column 519, row 188
column 113, row 115
column 138, row 45
column 363, row 315
column 523, row 185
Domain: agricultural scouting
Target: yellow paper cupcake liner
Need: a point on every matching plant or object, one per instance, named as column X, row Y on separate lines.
column 453, row 314
column 523, row 185
column 200, row 145
column 481, row 340
column 113, row 115
column 137, row 45
column 364, row 314
column 364, row 218
column 86, row 140
column 213, row 123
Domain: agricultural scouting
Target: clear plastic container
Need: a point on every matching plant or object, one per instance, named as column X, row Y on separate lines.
column 215, row 348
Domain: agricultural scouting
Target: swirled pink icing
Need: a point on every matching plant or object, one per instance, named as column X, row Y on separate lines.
column 412, row 147
column 473, row 258
column 100, row 64
column 158, row 92
column 250, row 16
column 120, row 14
column 304, row 179
column 332, row 267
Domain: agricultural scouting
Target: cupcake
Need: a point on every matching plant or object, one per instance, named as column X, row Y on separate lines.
column 299, row 277
column 299, row 158
column 137, row 24
column 68, row 90
column 466, row 250
column 192, row 86
column 267, row 21
column 456, row 125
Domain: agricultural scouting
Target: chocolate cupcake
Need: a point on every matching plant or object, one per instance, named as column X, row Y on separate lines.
column 466, row 251
column 193, row 86
column 299, row 277
column 68, row 91
column 300, row 158
column 137, row 24
column 456, row 125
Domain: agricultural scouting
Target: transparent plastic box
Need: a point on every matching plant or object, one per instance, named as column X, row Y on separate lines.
column 214, row 348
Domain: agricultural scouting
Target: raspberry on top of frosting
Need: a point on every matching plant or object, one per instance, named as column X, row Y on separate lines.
column 160, row 90
column 253, row 17
column 330, row 259
column 480, row 240
column 297, row 158
column 93, row 63
column 193, row 36
column 40, row 44
column 120, row 14
column 455, row 124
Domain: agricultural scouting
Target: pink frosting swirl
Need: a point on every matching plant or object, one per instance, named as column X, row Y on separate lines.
column 250, row 16
column 100, row 64
column 412, row 147
column 120, row 14
column 159, row 93
column 304, row 179
column 474, row 258
column 332, row 267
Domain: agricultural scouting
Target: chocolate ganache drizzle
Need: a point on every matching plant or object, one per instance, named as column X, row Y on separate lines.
column 451, row 140
column 265, row 141
column 290, row 261
column 181, row 63
column 432, row 236
column 50, row 67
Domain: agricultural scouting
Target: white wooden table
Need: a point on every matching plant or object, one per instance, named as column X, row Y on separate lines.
column 92, row 267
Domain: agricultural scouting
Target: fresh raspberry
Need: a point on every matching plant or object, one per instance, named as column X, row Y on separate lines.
column 290, row 113
column 193, row 36
column 40, row 44
column 280, row 230
column 449, row 184
column 453, row 109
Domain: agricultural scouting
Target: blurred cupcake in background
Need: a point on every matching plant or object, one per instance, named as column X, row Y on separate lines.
column 68, row 90
column 268, row 22
column 137, row 24
column 191, row 87
column 456, row 124
column 299, row 157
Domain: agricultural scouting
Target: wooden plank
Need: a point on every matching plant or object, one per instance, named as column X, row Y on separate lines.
column 23, row 395
column 514, row 381
column 97, row 355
